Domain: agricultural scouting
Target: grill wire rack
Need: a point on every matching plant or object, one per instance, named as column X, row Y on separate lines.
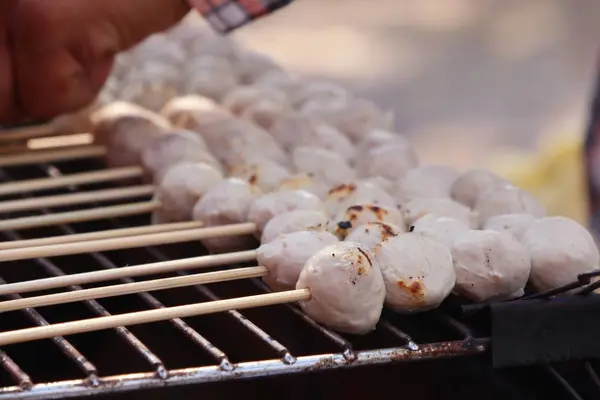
column 233, row 346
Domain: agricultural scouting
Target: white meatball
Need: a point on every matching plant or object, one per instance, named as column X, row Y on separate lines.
column 343, row 196
column 417, row 271
column 355, row 117
column 294, row 221
column 265, row 112
column 347, row 289
column 373, row 233
column 390, row 161
column 321, row 91
column 286, row 255
column 441, row 229
column 438, row 206
column 242, row 97
column 426, row 181
column 151, row 85
column 168, row 150
column 560, row 250
column 360, row 214
column 251, row 65
column 472, row 184
column 268, row 175
column 252, row 144
column 507, row 200
column 384, row 183
column 227, row 202
column 490, row 265
column 327, row 167
column 292, row 130
column 180, row 109
column 126, row 130
column 378, row 137
column 210, row 76
column 275, row 203
column 180, row 189
column 515, row 224
column 305, row 182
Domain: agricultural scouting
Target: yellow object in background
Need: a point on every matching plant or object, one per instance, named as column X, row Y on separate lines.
column 555, row 175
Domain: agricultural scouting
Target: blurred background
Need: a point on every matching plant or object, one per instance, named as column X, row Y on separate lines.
column 497, row 84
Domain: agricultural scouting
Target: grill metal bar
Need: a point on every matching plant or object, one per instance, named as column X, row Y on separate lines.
column 121, row 383
column 344, row 345
column 279, row 349
column 93, row 305
column 65, row 346
column 13, row 369
column 225, row 370
column 102, row 260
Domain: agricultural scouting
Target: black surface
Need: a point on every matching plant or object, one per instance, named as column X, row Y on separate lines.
column 542, row 331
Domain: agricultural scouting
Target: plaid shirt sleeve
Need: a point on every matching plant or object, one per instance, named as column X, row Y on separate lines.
column 228, row 15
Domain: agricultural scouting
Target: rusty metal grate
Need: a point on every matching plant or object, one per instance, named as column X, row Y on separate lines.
column 233, row 345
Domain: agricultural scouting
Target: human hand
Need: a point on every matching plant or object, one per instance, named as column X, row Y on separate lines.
column 56, row 55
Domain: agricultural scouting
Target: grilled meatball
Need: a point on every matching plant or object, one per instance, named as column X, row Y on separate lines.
column 515, row 224
column 266, row 207
column 306, row 182
column 441, row 229
column 286, row 255
column 227, row 202
column 440, row 207
column 560, row 250
column 373, row 233
column 167, row 150
column 507, row 200
column 360, row 214
column 426, row 181
column 472, row 184
column 343, row 196
column 268, row 175
column 417, row 271
column 327, row 167
column 490, row 265
column 180, row 189
column 346, row 286
column 126, row 130
column 293, row 221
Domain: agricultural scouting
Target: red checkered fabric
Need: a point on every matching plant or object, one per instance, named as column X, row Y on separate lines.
column 228, row 15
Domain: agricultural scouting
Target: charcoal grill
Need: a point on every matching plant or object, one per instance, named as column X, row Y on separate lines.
column 275, row 351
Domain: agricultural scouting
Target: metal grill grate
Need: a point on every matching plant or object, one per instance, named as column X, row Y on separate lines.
column 211, row 348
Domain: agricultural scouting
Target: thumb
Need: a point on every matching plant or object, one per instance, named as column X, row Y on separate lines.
column 64, row 49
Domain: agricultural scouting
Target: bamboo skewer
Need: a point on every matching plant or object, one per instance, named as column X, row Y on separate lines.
column 129, row 272
column 144, row 317
column 68, row 180
column 75, row 198
column 131, row 288
column 42, row 156
column 79, row 216
column 64, row 141
column 107, row 234
column 152, row 239
column 28, row 132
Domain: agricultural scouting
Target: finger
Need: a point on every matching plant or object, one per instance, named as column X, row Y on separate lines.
column 8, row 112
